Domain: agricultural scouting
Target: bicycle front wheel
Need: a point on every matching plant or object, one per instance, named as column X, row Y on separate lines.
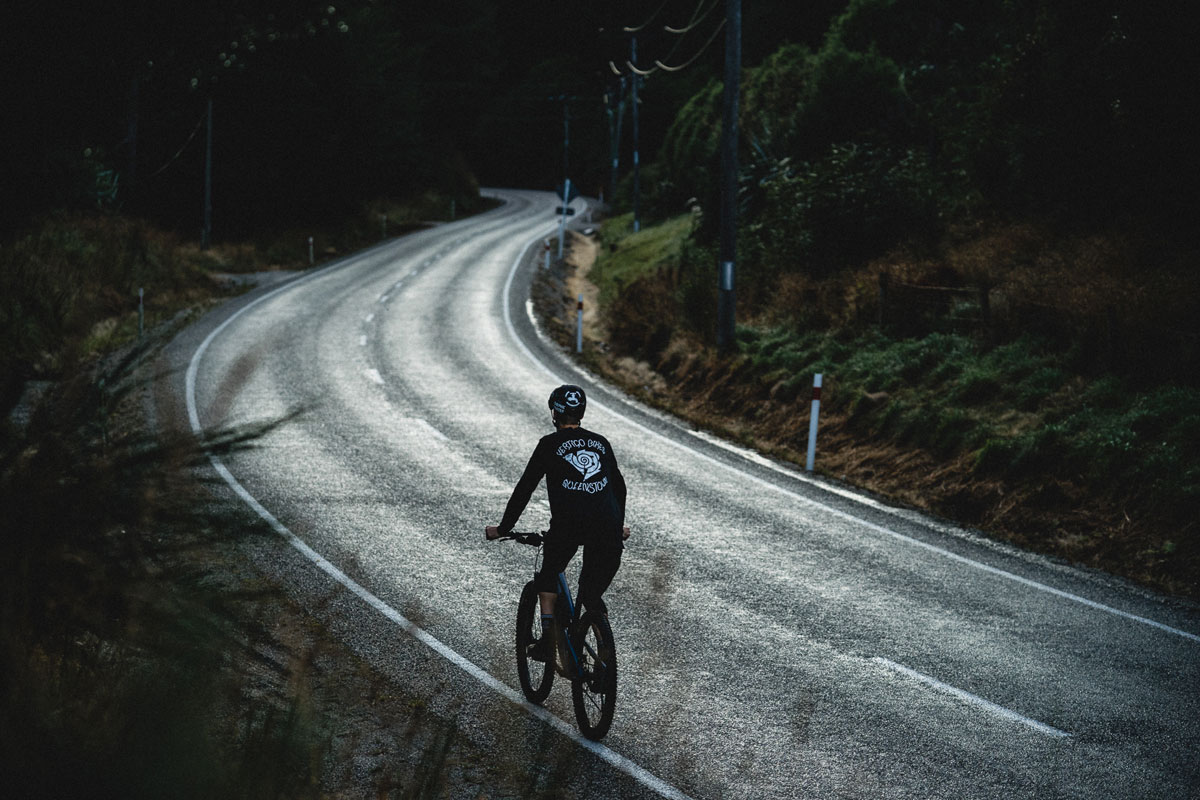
column 594, row 689
column 536, row 677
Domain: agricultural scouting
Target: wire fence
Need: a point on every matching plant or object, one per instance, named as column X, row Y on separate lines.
column 1117, row 337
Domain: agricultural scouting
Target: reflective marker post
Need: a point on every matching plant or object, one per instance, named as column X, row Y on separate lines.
column 141, row 312
column 812, row 422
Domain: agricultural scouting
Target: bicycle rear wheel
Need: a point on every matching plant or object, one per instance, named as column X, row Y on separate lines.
column 594, row 690
column 536, row 677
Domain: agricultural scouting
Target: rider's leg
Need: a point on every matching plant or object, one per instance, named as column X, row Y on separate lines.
column 601, row 560
column 556, row 554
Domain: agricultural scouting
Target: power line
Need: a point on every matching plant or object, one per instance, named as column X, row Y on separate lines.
column 698, row 16
column 650, row 19
column 696, row 19
column 692, row 60
column 175, row 157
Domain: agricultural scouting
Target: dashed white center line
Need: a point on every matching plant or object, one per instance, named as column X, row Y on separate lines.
column 362, row 340
column 425, row 426
column 975, row 700
column 374, row 375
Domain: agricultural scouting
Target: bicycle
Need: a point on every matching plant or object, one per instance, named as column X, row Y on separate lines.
column 585, row 652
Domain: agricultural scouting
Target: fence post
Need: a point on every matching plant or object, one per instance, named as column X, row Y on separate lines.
column 812, row 422
column 883, row 297
column 579, row 326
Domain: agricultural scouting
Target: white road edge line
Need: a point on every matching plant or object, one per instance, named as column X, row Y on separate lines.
column 638, row 773
column 975, row 700
column 1041, row 587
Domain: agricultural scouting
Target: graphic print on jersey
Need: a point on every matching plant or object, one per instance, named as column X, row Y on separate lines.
column 587, row 462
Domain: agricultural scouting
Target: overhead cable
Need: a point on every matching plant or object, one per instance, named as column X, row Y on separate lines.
column 691, row 60
column 183, row 147
column 637, row 28
column 696, row 19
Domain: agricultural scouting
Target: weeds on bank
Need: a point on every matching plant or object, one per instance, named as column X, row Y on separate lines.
column 69, row 286
column 113, row 641
column 1070, row 414
column 1017, row 407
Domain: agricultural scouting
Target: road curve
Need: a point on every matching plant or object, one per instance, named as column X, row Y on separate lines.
column 778, row 637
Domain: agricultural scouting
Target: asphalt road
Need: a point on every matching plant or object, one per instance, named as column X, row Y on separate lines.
column 778, row 637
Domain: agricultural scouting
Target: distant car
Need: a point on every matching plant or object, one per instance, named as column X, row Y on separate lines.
column 569, row 211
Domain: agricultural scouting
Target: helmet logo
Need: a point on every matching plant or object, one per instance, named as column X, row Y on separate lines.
column 571, row 399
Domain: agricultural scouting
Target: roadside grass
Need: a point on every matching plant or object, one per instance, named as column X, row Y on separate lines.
column 653, row 248
column 1029, row 421
column 114, row 640
column 69, row 285
column 1016, row 409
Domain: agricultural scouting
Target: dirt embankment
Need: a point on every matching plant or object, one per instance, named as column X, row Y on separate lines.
column 1058, row 516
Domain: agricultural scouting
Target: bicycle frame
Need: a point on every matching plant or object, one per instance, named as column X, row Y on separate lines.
column 564, row 592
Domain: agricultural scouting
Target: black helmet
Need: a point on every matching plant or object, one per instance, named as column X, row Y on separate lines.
column 568, row 399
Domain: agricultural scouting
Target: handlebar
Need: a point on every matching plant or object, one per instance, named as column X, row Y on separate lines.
column 527, row 537
column 524, row 537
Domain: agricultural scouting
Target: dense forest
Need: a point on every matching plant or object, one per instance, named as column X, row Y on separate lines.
column 908, row 117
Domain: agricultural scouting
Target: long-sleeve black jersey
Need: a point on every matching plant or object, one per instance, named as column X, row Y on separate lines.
column 586, row 488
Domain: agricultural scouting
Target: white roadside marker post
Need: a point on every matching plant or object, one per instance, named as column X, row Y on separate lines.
column 812, row 422
column 546, row 247
column 310, row 251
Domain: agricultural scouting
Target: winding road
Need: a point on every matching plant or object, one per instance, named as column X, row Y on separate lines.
column 779, row 636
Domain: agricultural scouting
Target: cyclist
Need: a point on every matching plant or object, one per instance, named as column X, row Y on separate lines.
column 587, row 508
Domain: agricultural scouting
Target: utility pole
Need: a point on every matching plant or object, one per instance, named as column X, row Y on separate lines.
column 726, row 297
column 614, row 134
column 566, row 138
column 637, row 220
column 206, row 232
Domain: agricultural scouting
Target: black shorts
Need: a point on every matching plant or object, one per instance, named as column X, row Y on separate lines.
column 601, row 560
